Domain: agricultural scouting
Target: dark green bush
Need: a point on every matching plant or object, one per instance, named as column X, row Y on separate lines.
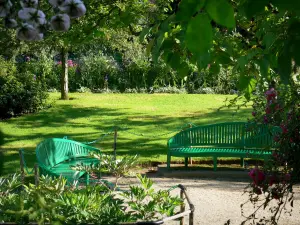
column 19, row 92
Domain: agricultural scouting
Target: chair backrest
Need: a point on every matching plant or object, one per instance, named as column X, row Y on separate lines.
column 231, row 134
column 53, row 151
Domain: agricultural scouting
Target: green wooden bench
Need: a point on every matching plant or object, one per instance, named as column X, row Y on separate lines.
column 55, row 157
column 232, row 139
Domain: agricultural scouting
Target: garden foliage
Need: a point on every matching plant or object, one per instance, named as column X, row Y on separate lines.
column 21, row 91
column 55, row 202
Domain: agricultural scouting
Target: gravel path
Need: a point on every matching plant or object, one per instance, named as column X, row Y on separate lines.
column 217, row 201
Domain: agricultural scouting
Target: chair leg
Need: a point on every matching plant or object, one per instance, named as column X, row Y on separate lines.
column 169, row 161
column 186, row 162
column 215, row 163
column 87, row 178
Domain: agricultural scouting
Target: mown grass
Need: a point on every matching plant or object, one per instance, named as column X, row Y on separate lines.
column 88, row 116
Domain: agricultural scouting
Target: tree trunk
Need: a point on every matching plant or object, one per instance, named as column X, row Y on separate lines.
column 64, row 74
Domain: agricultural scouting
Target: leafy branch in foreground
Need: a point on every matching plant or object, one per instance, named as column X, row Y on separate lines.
column 117, row 167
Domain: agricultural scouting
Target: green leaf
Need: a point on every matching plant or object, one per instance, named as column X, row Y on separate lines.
column 149, row 46
column 285, row 65
column 168, row 44
column 187, row 8
column 247, row 85
column 199, row 34
column 99, row 33
column 203, row 60
column 290, row 5
column 264, row 67
column 183, row 70
column 214, row 68
column 254, row 7
column 144, row 33
column 166, row 56
column 241, row 63
column 221, row 12
column 268, row 40
column 294, row 41
column 156, row 50
column 174, row 61
column 223, row 58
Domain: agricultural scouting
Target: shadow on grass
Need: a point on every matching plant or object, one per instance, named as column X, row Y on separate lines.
column 137, row 140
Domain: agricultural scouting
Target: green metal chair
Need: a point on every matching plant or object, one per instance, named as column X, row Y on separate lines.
column 55, row 157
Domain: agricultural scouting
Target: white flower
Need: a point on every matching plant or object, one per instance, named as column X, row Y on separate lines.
column 10, row 23
column 74, row 8
column 60, row 22
column 57, row 3
column 3, row 11
column 5, row 7
column 29, row 3
column 32, row 16
column 28, row 33
column 28, row 13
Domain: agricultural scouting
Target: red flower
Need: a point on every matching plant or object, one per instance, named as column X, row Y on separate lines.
column 257, row 176
column 284, row 128
column 268, row 110
column 276, row 139
column 272, row 180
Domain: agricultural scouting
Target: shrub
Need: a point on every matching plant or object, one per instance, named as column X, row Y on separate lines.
column 83, row 90
column 19, row 92
column 169, row 90
column 206, row 90
column 131, row 90
column 105, row 91
column 54, row 202
column 94, row 67
column 43, row 67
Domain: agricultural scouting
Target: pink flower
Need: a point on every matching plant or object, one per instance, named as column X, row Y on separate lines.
column 272, row 180
column 257, row 176
column 271, row 93
column 284, row 128
column 266, row 120
column 268, row 110
column 254, row 113
column 276, row 139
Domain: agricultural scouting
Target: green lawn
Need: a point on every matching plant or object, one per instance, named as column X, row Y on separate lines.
column 89, row 116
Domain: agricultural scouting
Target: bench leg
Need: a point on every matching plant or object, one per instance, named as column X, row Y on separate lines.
column 242, row 162
column 215, row 163
column 191, row 161
column 186, row 162
column 169, row 161
column 266, row 160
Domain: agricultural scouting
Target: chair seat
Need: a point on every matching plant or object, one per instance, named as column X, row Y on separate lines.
column 64, row 168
